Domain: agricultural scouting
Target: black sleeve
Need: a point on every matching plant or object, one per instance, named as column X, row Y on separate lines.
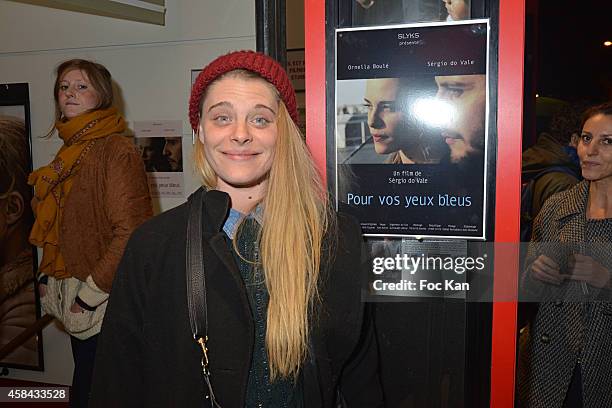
column 118, row 373
column 360, row 382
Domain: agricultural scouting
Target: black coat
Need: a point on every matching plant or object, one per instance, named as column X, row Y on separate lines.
column 146, row 353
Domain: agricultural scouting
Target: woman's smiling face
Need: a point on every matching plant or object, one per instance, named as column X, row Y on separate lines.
column 239, row 130
column 595, row 148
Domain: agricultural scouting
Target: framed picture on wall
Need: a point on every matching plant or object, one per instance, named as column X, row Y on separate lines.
column 412, row 128
column 296, row 68
column 20, row 336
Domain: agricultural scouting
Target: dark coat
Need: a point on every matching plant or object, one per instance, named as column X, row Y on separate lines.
column 146, row 353
column 565, row 333
column 547, row 153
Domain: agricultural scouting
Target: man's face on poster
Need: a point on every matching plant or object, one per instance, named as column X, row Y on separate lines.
column 173, row 151
column 464, row 130
column 385, row 118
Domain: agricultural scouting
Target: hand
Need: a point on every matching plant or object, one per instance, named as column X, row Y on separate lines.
column 586, row 269
column 546, row 270
column 42, row 290
column 75, row 308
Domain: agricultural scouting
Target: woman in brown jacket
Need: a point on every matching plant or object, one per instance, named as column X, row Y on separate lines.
column 87, row 202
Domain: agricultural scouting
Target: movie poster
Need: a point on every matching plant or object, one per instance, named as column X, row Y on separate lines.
column 411, row 128
column 296, row 69
column 161, row 148
column 20, row 336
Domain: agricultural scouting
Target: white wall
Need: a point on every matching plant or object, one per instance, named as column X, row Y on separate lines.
column 150, row 64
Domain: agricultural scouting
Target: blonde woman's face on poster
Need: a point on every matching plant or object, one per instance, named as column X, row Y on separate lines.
column 385, row 118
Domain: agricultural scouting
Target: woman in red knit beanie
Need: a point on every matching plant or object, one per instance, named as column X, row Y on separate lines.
column 248, row 294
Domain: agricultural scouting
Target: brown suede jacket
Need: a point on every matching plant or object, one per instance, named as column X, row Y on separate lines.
column 108, row 200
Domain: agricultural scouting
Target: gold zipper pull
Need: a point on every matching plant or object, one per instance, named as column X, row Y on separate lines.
column 202, row 342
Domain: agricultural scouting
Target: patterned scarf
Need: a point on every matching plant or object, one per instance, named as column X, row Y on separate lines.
column 53, row 182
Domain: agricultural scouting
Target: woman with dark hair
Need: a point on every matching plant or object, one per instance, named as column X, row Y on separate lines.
column 566, row 356
column 87, row 202
column 269, row 311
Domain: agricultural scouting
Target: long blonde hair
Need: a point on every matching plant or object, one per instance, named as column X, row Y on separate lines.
column 296, row 217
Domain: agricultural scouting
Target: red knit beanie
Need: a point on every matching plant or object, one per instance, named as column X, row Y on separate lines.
column 266, row 67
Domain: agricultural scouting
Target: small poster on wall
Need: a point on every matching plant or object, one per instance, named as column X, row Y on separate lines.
column 161, row 147
column 296, row 68
column 411, row 128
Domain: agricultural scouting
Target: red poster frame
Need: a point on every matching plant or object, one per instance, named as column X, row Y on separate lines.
column 507, row 198
column 508, row 170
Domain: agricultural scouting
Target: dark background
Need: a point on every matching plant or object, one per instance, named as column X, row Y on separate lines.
column 565, row 59
column 572, row 62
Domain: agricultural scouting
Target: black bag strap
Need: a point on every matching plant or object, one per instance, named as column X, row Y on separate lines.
column 196, row 285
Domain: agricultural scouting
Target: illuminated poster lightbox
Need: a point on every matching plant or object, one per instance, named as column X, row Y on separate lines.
column 411, row 128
